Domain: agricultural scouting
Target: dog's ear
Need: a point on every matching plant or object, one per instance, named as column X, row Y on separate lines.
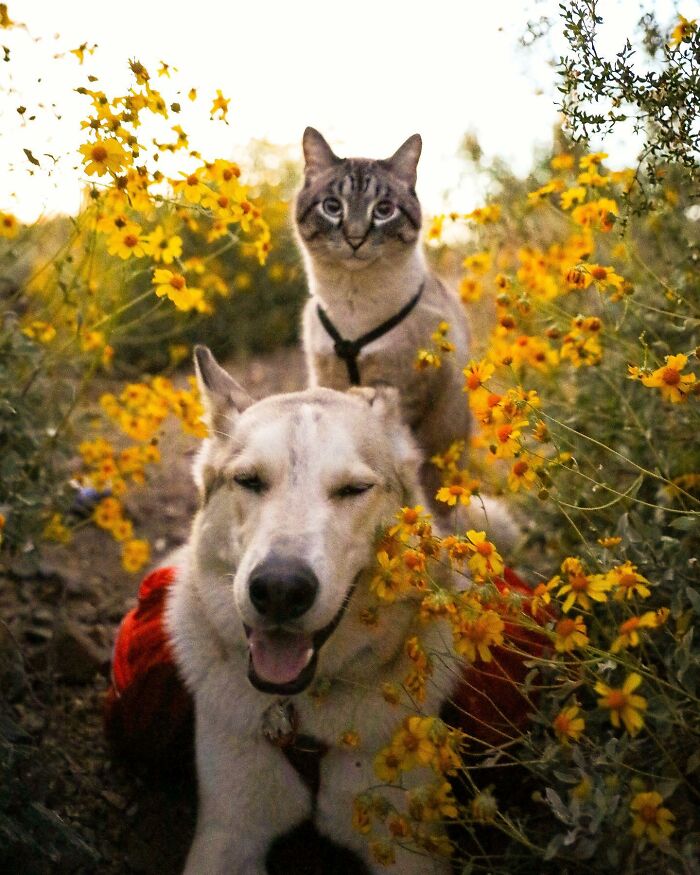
column 317, row 153
column 404, row 161
column 385, row 403
column 221, row 395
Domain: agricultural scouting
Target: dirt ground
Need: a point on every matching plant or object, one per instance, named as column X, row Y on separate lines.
column 65, row 805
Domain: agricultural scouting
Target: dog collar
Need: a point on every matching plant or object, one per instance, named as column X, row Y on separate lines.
column 280, row 726
column 349, row 350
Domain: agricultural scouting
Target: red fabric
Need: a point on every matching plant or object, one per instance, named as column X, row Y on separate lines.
column 149, row 713
column 489, row 704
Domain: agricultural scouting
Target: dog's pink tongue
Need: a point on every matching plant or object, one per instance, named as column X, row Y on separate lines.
column 279, row 657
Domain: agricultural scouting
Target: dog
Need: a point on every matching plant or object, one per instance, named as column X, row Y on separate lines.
column 295, row 491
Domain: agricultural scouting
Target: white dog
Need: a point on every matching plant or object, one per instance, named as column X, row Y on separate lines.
column 294, row 490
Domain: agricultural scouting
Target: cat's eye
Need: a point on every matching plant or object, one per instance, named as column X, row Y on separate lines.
column 252, row 482
column 384, row 210
column 350, row 490
column 332, row 207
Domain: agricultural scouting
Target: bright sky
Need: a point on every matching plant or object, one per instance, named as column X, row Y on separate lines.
column 367, row 74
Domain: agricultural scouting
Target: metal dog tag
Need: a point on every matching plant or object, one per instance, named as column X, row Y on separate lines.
column 280, row 723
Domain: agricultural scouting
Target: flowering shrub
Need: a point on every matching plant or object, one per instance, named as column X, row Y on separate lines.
column 167, row 244
column 586, row 404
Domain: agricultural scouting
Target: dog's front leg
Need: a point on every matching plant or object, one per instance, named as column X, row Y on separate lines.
column 241, row 785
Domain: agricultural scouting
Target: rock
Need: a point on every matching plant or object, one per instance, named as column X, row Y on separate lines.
column 76, row 657
column 114, row 799
column 12, row 676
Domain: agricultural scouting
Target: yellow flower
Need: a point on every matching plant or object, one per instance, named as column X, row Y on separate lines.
column 562, row 162
column 350, row 739
column 387, row 765
column 103, row 156
column 569, row 724
column 683, row 31
column 582, row 588
column 522, row 475
column 628, row 635
column 475, row 635
column 609, row 543
column 485, row 215
column 477, row 373
column 107, row 513
column 485, row 559
column 383, row 852
column 627, row 582
column 572, row 196
column 623, row 704
column 650, row 819
column 570, row 634
column 55, row 530
column 391, row 580
column 44, row 332
column 592, row 160
column 191, row 187
column 135, row 554
column 426, row 359
column 174, row 286
column 412, row 743
column 162, row 248
column 9, row 226
column 220, row 105
column 82, row 50
column 5, row 21
column 361, row 813
column 126, row 242
column 450, row 495
column 673, row 385
column 479, row 263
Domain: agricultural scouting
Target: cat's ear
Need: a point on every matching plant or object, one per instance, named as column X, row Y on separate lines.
column 317, row 153
column 404, row 161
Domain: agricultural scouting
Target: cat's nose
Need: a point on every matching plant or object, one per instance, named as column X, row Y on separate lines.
column 355, row 242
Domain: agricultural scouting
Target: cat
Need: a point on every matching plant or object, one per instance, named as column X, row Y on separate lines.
column 358, row 222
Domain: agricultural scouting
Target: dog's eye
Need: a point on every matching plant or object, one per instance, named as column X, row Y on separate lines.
column 352, row 489
column 332, row 207
column 251, row 482
column 384, row 210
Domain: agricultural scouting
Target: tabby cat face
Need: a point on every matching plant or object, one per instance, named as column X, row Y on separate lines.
column 353, row 211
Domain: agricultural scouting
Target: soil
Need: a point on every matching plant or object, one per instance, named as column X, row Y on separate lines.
column 66, row 805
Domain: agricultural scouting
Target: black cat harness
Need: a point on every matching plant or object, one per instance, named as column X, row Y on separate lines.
column 349, row 350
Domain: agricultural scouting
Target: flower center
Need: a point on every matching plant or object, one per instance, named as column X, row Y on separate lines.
column 131, row 240
column 617, row 700
column 578, row 583
column 566, row 627
column 648, row 813
column 98, row 153
column 520, row 468
column 484, row 548
column 192, row 179
column 670, row 376
column 177, row 281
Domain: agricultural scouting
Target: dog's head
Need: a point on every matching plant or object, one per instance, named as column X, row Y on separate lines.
column 294, row 491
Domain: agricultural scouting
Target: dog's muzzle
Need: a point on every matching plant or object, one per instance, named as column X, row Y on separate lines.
column 283, row 662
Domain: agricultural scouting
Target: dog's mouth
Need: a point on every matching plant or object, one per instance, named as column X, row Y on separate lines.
column 284, row 663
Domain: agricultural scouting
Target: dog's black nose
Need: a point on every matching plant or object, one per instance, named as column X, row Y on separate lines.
column 282, row 589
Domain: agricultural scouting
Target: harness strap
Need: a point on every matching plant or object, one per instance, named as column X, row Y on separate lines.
column 349, row 350
column 304, row 755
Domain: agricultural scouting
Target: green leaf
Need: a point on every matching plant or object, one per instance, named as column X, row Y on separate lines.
column 685, row 523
